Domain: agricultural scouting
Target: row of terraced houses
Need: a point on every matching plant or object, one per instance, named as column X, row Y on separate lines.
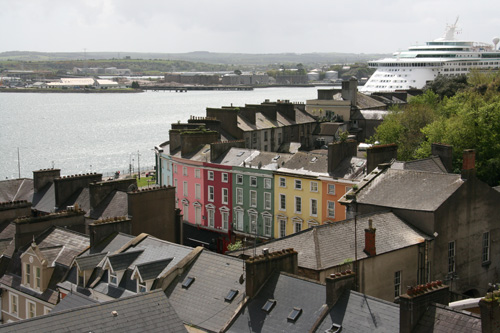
column 253, row 173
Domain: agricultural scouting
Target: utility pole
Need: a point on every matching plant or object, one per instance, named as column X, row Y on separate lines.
column 18, row 163
column 138, row 165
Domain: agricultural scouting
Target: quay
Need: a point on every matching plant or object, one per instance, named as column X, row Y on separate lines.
column 186, row 88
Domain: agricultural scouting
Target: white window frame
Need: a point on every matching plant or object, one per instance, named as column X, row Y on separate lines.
column 451, row 256
column 253, row 198
column 185, row 211
column 253, row 181
column 298, row 204
column 225, row 195
column 239, row 196
column 267, row 183
column 282, row 181
column 27, row 274
column 211, row 217
column 268, row 221
column 253, row 222
column 225, row 220
column 239, row 179
column 298, row 184
column 314, row 207
column 28, row 310
column 197, row 214
column 210, row 175
column 38, row 278
column 13, row 304
column 314, row 186
column 331, row 189
column 197, row 191
column 267, row 200
column 175, row 168
column 297, row 226
column 184, row 171
column 185, row 188
column 46, row 310
column 239, row 218
column 112, row 276
column 282, row 225
column 141, row 285
column 331, row 209
column 282, row 201
column 211, row 194
column 397, row 284
column 197, row 173
column 225, row 177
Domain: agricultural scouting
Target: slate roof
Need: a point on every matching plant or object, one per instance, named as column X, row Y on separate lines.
column 115, row 204
column 430, row 164
column 202, row 304
column 16, row 189
column 327, row 128
column 439, row 318
column 151, row 270
column 374, row 114
column 331, row 244
column 90, row 261
column 366, row 102
column 71, row 301
column 358, row 313
column 122, row 261
column 350, row 168
column 148, row 312
column 45, row 199
column 289, row 292
column 253, row 158
column 110, row 244
column 307, row 163
column 405, row 189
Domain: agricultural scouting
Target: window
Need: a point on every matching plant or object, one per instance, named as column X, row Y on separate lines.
column 27, row 274
column 225, row 178
column 210, row 193
column 297, row 226
column 253, row 223
column 211, row 217
column 331, row 189
column 269, row 305
column 265, row 135
column 184, row 171
column 197, row 173
column 197, row 191
column 175, row 184
column 197, row 214
column 239, row 219
column 298, row 205
column 314, row 186
column 46, row 310
column 253, row 198
column 141, row 287
column 451, row 257
column 30, row 309
column 314, row 207
column 282, row 182
column 231, row 295
column 298, row 184
column 38, row 278
column 188, row 282
column 225, row 220
column 175, row 168
column 397, row 284
column 113, row 279
column 486, row 247
column 282, row 202
column 267, row 200
column 239, row 179
column 295, row 314
column 253, row 181
column 267, row 225
column 185, row 188
column 210, row 175
column 14, row 304
column 239, row 196
column 282, row 227
column 267, row 183
column 186, row 212
column 331, row 209
column 225, row 196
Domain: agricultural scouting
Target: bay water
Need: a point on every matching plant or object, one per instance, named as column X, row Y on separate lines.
column 105, row 132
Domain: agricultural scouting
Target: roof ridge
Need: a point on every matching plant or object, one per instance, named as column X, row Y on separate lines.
column 317, row 249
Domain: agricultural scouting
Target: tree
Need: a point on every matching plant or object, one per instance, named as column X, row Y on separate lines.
column 135, row 85
column 237, row 72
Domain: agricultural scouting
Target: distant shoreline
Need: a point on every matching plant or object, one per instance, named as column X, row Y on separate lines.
column 66, row 91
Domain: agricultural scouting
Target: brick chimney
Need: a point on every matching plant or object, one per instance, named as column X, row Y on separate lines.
column 414, row 303
column 337, row 151
column 469, row 164
column 445, row 153
column 370, row 248
column 490, row 312
column 379, row 154
column 259, row 268
column 102, row 229
column 336, row 284
column 44, row 177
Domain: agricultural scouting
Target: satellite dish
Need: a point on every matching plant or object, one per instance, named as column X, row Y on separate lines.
column 495, row 41
column 132, row 188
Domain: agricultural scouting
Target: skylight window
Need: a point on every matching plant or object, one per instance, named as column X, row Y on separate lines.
column 275, row 158
column 314, row 159
column 336, row 328
column 188, row 282
column 269, row 305
column 240, row 154
column 295, row 314
column 231, row 295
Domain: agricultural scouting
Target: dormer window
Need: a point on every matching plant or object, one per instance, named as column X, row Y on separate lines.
column 38, row 278
column 27, row 274
column 141, row 286
column 113, row 278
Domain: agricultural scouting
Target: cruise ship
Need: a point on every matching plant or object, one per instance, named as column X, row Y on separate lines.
column 420, row 64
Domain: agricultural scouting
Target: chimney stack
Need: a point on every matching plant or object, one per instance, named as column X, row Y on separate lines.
column 414, row 303
column 445, row 153
column 490, row 312
column 379, row 154
column 469, row 164
column 44, row 177
column 337, row 151
column 370, row 248
column 336, row 284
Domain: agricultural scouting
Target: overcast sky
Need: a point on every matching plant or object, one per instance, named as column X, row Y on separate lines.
column 236, row 26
